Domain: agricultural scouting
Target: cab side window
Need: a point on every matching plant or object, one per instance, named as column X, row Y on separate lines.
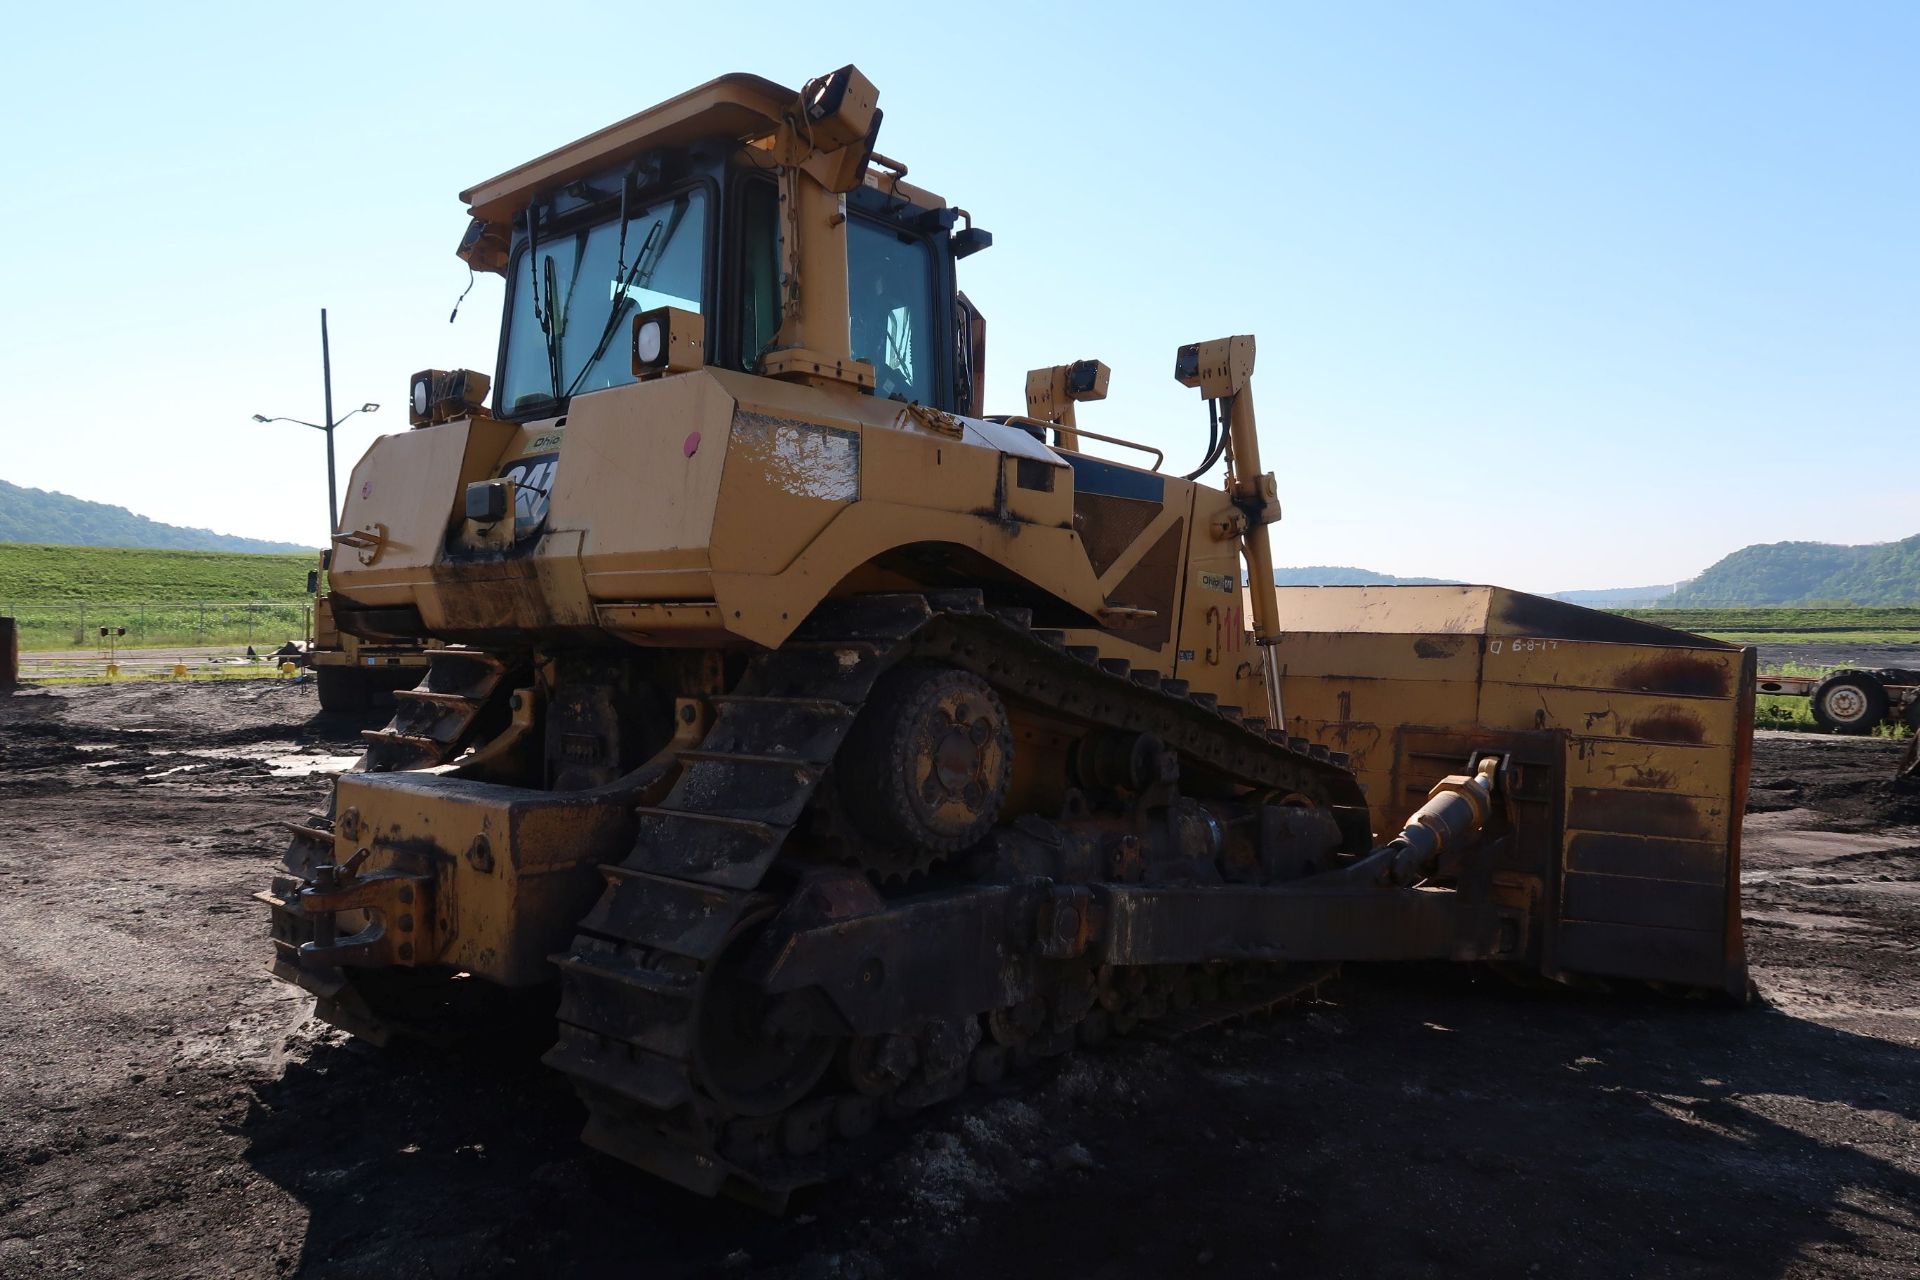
column 759, row 271
column 890, row 306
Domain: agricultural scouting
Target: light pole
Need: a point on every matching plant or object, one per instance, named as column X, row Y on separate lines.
column 326, row 382
column 326, row 375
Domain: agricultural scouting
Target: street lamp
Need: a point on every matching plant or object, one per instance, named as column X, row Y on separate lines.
column 368, row 407
column 333, row 504
column 326, row 372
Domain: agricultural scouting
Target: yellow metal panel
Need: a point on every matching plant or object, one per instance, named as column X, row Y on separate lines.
column 1212, row 629
column 513, row 870
column 1630, row 668
column 405, row 488
column 1632, row 816
column 1648, row 766
column 1386, row 610
column 1046, row 505
column 1646, row 857
column 939, row 472
column 1369, row 744
column 736, row 106
column 1333, row 700
column 766, row 608
column 786, row 478
column 1306, row 654
column 1641, row 812
column 665, row 439
column 563, row 583
column 1600, row 713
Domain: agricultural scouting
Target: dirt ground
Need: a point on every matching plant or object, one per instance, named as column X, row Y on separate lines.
column 1831, row 654
column 167, row 1110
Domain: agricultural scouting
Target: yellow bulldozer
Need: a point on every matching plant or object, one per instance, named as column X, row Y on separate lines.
column 351, row 673
column 819, row 747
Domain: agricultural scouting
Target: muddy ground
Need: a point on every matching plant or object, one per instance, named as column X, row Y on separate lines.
column 166, row 1110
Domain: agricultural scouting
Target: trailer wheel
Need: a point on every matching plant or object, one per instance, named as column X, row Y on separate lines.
column 341, row 689
column 1853, row 702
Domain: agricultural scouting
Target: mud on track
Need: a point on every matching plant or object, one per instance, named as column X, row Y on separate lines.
column 165, row 1110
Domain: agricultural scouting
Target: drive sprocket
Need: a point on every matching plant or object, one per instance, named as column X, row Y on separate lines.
column 924, row 770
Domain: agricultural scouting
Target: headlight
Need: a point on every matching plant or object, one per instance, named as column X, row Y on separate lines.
column 668, row 340
column 647, row 342
column 441, row 395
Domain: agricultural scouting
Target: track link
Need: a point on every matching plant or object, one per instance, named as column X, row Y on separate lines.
column 696, row 879
column 432, row 722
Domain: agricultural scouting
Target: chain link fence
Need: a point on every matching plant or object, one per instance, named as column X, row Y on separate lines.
column 76, row 626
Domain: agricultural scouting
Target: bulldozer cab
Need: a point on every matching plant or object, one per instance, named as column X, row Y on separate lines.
column 715, row 235
column 690, row 216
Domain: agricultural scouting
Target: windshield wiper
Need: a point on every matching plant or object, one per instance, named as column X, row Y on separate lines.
column 645, row 263
column 673, row 222
column 542, row 309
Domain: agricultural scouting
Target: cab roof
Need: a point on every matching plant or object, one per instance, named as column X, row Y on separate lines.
column 736, row 105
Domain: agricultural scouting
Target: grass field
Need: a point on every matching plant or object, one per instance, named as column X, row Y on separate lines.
column 64, row 595
column 1812, row 637
column 1868, row 626
column 1792, row 626
column 46, row 575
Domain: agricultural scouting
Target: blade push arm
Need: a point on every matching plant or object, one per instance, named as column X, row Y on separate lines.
column 1221, row 370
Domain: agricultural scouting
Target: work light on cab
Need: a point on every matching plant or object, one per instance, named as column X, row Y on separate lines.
column 441, row 395
column 668, row 340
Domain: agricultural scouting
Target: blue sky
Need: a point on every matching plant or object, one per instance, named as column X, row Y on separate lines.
column 1550, row 295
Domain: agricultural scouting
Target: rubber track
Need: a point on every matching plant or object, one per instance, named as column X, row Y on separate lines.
column 631, row 981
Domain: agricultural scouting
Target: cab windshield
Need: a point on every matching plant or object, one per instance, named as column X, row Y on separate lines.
column 575, row 293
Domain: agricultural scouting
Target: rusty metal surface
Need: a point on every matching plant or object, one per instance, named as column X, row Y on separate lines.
column 503, row 872
column 1632, row 770
column 1186, row 925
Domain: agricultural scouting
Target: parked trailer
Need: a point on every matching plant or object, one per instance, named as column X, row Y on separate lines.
column 1851, row 701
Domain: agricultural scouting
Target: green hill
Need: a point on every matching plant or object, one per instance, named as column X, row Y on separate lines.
column 47, row 575
column 1618, row 597
column 1325, row 575
column 1804, row 573
column 36, row 515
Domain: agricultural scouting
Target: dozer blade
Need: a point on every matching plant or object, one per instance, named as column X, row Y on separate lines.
column 1630, row 744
